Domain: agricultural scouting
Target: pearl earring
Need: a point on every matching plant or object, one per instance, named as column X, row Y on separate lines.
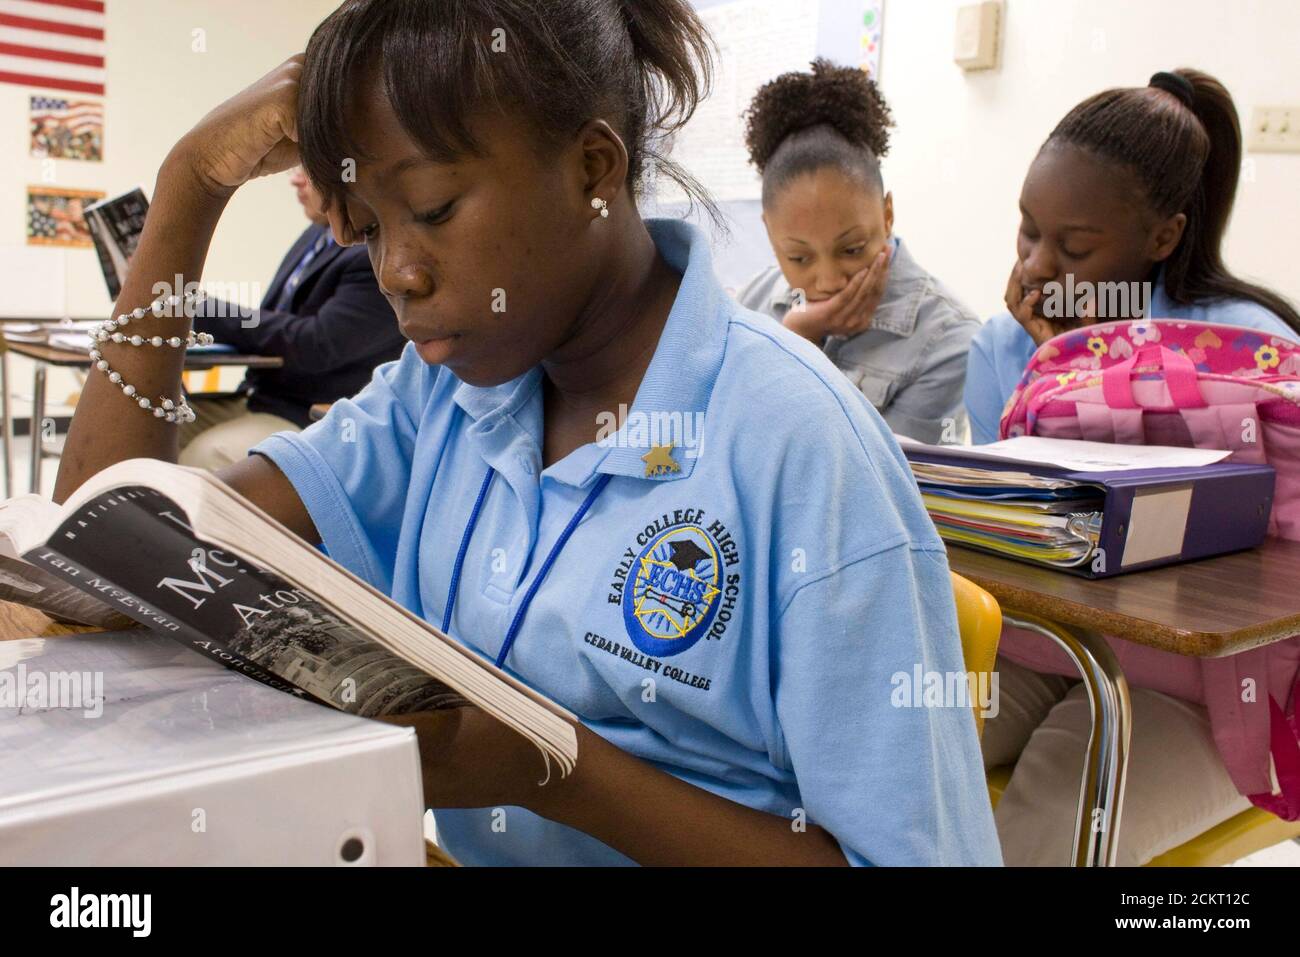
column 600, row 204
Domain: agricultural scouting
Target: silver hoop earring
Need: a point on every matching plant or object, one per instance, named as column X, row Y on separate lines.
column 600, row 204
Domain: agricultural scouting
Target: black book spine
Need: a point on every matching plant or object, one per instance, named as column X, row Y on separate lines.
column 134, row 549
column 99, row 235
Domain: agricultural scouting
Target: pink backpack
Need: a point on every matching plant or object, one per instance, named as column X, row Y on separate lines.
column 1170, row 382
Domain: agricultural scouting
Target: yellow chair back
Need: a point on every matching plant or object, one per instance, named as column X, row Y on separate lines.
column 979, row 619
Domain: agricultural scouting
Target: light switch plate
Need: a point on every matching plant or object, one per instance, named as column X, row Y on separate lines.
column 1274, row 129
column 976, row 44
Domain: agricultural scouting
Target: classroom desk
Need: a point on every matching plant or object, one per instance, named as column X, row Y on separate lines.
column 5, row 416
column 1205, row 609
column 45, row 355
column 19, row 621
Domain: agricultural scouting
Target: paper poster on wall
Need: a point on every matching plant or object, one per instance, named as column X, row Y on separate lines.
column 757, row 41
column 56, row 217
column 67, row 129
column 873, row 16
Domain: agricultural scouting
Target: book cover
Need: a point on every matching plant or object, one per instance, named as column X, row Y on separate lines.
column 133, row 549
column 115, row 227
column 54, row 597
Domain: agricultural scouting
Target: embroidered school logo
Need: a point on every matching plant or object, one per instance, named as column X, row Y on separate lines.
column 673, row 594
column 678, row 583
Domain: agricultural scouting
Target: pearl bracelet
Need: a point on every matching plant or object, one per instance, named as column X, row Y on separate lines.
column 191, row 339
column 108, row 329
column 178, row 412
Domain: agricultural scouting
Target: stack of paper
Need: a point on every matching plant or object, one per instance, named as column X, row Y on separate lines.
column 1073, row 455
column 25, row 331
column 72, row 335
column 80, row 341
column 1091, row 508
column 1052, row 521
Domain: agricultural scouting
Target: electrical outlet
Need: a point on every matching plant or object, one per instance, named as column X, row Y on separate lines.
column 1274, row 129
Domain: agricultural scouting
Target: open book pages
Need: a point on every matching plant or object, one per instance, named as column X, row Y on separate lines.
column 184, row 554
column 46, row 591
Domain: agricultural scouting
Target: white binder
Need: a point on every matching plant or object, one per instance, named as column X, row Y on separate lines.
column 129, row 749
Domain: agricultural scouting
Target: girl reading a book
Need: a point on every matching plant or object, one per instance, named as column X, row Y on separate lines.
column 589, row 464
column 1133, row 186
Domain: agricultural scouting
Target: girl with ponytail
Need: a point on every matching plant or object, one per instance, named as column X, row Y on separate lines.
column 1134, row 186
column 733, row 706
column 843, row 279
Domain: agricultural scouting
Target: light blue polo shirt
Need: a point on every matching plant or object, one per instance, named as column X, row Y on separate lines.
column 739, row 622
column 1002, row 348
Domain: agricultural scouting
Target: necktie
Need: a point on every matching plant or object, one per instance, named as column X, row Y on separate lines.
column 295, row 278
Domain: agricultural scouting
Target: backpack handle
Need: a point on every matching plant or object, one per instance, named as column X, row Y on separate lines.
column 1283, row 738
column 1179, row 375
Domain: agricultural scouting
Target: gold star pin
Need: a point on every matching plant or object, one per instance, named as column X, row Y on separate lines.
column 659, row 461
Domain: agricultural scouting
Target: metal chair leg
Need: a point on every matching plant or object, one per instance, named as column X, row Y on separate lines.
column 1101, row 795
column 38, row 431
column 8, row 425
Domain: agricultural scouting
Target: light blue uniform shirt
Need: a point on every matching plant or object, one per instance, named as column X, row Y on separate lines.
column 1002, row 349
column 737, row 623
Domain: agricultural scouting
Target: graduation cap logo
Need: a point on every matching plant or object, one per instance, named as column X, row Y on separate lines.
column 686, row 554
column 673, row 593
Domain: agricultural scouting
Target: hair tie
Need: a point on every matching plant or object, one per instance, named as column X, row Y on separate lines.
column 1177, row 84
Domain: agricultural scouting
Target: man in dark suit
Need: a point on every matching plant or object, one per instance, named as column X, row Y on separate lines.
column 324, row 314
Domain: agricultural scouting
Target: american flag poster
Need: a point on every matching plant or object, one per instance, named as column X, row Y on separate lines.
column 67, row 129
column 56, row 217
column 53, row 44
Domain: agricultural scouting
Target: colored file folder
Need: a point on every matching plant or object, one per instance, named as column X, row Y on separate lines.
column 1095, row 524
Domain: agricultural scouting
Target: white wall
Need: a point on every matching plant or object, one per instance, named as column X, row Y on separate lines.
column 960, row 151
column 157, row 87
column 964, row 141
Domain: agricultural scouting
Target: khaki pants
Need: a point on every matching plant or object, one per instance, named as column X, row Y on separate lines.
column 224, row 430
column 1177, row 786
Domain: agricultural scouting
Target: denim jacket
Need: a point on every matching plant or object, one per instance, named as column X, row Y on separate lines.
column 911, row 363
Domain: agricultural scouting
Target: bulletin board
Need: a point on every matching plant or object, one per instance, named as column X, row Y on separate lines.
column 757, row 40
